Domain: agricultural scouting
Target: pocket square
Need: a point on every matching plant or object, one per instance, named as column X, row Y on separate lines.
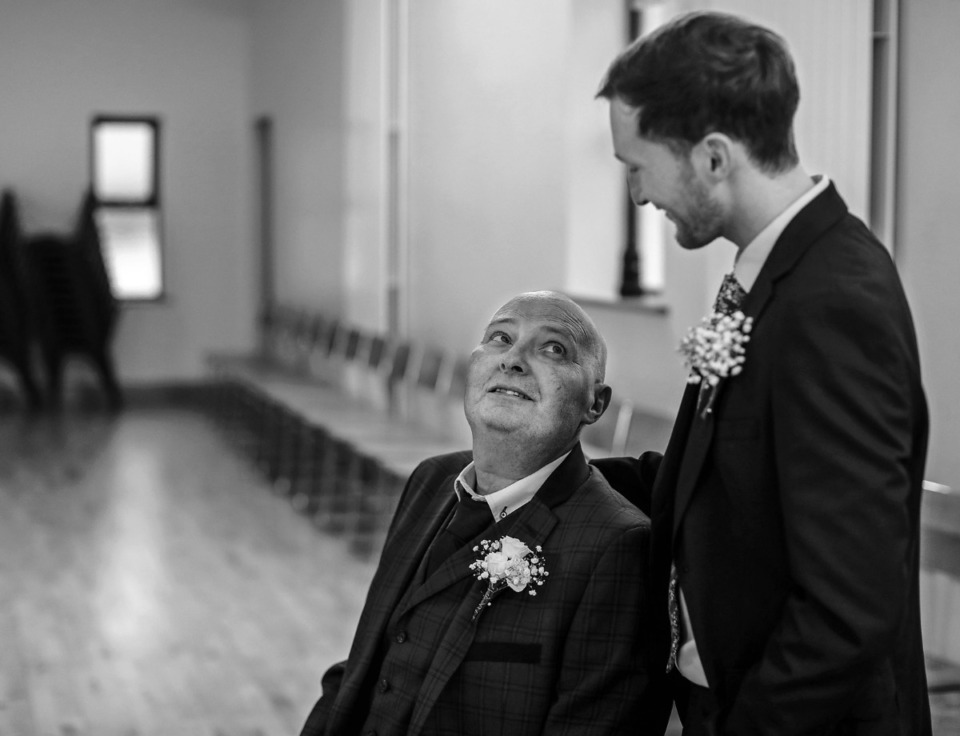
column 503, row 651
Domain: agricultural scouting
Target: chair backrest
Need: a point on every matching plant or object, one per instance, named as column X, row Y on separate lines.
column 430, row 368
column 70, row 317
column 14, row 307
column 456, row 386
column 266, row 323
column 343, row 346
column 377, row 353
column 283, row 347
column 98, row 289
column 607, row 436
column 301, row 335
column 328, row 339
column 355, row 372
column 647, row 432
column 400, row 364
column 450, row 394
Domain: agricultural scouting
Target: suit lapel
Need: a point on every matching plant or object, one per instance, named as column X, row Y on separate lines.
column 399, row 564
column 693, row 451
column 532, row 525
column 413, row 539
column 825, row 211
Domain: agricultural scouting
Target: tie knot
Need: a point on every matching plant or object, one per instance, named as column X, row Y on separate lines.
column 470, row 517
column 730, row 296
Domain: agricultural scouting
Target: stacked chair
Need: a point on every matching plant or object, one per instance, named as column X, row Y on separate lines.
column 75, row 311
column 15, row 325
column 337, row 418
column 55, row 301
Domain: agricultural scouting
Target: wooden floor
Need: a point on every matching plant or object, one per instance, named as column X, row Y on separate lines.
column 150, row 583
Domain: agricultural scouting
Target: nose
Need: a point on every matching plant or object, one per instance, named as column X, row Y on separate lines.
column 513, row 361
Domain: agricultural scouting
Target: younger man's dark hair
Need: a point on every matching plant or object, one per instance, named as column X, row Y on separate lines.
column 707, row 72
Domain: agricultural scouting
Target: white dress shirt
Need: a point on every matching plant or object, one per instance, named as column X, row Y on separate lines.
column 504, row 502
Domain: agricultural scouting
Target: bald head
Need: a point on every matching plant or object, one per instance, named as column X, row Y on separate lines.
column 560, row 307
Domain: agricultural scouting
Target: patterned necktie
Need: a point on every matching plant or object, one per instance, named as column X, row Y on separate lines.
column 730, row 296
column 729, row 299
column 470, row 517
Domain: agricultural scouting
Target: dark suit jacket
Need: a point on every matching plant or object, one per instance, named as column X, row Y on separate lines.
column 569, row 661
column 792, row 509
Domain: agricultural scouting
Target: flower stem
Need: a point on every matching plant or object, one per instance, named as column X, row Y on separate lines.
column 488, row 596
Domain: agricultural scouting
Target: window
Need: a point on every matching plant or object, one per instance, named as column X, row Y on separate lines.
column 124, row 171
column 615, row 250
column 883, row 150
column 642, row 269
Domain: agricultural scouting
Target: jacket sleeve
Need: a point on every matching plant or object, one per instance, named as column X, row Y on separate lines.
column 316, row 724
column 605, row 686
column 631, row 477
column 846, row 404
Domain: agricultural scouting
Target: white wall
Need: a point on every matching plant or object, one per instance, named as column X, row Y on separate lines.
column 187, row 62
column 298, row 80
column 487, row 168
column 365, row 119
column 928, row 191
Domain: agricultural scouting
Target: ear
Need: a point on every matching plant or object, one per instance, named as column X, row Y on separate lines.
column 601, row 400
column 714, row 156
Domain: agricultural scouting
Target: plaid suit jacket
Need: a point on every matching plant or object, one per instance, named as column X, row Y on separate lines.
column 571, row 660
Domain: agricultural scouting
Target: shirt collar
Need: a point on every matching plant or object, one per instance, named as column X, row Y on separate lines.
column 507, row 500
column 751, row 259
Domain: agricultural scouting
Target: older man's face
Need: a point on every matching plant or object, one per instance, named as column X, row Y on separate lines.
column 534, row 375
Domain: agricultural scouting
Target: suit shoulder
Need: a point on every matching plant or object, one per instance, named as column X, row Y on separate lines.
column 443, row 465
column 597, row 502
column 849, row 250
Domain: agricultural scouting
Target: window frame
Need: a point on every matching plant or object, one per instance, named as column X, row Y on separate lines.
column 152, row 202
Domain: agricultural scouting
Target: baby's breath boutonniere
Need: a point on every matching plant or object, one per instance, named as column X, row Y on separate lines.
column 714, row 349
column 507, row 563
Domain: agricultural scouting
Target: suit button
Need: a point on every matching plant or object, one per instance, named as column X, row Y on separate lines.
column 400, row 637
column 383, row 686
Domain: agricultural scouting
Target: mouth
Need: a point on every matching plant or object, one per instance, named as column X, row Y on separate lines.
column 506, row 391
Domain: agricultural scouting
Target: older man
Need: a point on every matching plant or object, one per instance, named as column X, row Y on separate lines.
column 435, row 652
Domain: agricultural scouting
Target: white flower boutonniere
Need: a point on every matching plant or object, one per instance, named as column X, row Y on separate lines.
column 507, row 563
column 715, row 349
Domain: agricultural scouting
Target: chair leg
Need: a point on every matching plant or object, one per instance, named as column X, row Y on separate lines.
column 108, row 379
column 53, row 360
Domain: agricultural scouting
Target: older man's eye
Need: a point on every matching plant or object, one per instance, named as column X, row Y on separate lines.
column 556, row 348
column 500, row 337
